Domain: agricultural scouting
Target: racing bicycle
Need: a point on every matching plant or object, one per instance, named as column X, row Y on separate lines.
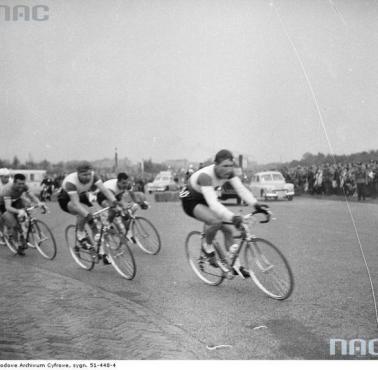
column 114, row 244
column 267, row 266
column 32, row 233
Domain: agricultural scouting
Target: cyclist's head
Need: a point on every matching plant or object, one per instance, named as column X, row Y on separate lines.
column 4, row 175
column 122, row 181
column 19, row 180
column 84, row 172
column 224, row 164
column 222, row 155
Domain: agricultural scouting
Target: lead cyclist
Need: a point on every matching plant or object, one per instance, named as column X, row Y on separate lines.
column 200, row 201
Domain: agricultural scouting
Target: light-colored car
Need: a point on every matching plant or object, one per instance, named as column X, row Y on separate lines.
column 271, row 185
column 164, row 181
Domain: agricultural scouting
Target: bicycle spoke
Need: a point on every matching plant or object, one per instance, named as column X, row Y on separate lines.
column 269, row 269
column 84, row 258
column 145, row 235
column 44, row 240
column 200, row 264
column 120, row 255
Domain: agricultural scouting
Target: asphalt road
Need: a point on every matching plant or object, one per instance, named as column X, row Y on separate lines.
column 332, row 296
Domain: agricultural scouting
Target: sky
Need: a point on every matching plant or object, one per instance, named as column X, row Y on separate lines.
column 172, row 79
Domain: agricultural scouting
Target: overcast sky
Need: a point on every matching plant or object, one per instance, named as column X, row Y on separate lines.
column 169, row 79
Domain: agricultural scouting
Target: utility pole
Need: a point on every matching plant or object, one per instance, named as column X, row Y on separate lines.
column 115, row 160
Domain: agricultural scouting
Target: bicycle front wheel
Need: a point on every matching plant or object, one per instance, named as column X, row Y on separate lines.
column 145, row 235
column 269, row 269
column 43, row 239
column 82, row 257
column 203, row 268
column 120, row 255
column 10, row 242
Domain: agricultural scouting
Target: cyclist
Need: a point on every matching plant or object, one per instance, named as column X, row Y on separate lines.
column 4, row 178
column 14, row 204
column 74, row 195
column 47, row 188
column 121, row 189
column 200, row 201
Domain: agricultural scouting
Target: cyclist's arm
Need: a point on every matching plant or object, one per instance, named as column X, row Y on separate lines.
column 108, row 194
column 8, row 205
column 32, row 197
column 211, row 198
column 242, row 191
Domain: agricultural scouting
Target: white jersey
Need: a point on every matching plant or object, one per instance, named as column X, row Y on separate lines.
column 71, row 183
column 113, row 187
column 216, row 183
column 204, row 182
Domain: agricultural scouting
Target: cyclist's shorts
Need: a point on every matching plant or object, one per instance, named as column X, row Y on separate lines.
column 189, row 203
column 64, row 199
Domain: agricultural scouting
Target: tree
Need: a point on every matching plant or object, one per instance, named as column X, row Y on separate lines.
column 16, row 162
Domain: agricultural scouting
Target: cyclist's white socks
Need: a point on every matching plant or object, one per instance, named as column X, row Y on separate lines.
column 81, row 234
column 208, row 247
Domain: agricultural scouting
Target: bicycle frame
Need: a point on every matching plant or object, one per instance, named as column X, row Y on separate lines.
column 103, row 229
column 245, row 237
column 30, row 221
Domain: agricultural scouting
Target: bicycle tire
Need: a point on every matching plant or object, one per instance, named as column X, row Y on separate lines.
column 269, row 269
column 82, row 258
column 199, row 263
column 145, row 235
column 10, row 243
column 43, row 239
column 120, row 255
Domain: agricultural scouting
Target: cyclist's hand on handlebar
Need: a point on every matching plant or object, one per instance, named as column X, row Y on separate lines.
column 144, row 205
column 21, row 214
column 114, row 203
column 89, row 218
column 262, row 208
column 237, row 221
column 43, row 206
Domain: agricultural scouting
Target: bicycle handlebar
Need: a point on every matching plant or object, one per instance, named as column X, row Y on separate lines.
column 98, row 213
column 29, row 209
column 268, row 215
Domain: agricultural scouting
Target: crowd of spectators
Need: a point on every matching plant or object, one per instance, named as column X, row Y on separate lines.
column 351, row 179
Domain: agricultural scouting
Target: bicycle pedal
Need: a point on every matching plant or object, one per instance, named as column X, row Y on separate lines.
column 229, row 275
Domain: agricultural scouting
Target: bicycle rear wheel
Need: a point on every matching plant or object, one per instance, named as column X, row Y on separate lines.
column 145, row 235
column 82, row 257
column 269, row 269
column 43, row 239
column 120, row 255
column 199, row 262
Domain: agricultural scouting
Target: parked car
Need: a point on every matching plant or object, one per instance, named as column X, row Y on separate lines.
column 271, row 185
column 227, row 191
column 164, row 181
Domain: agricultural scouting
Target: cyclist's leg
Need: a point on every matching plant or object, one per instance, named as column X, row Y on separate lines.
column 212, row 222
column 228, row 235
column 229, row 241
column 11, row 223
column 81, row 213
